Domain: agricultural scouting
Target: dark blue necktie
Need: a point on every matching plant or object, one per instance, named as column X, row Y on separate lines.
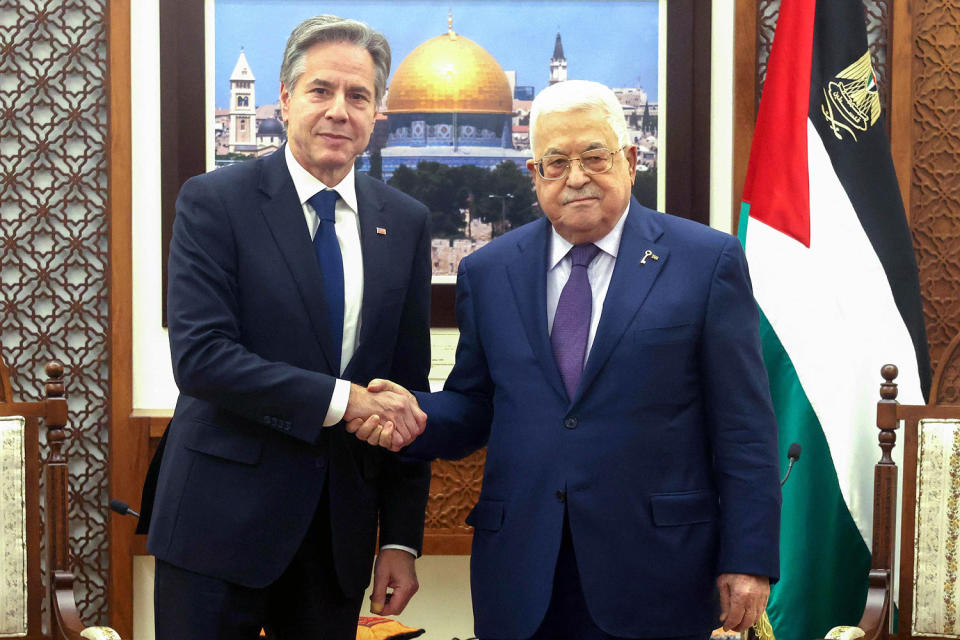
column 331, row 264
column 571, row 323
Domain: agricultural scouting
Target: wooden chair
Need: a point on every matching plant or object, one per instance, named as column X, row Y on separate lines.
column 24, row 584
column 928, row 599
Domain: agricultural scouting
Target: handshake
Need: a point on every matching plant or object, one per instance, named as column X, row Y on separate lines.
column 385, row 414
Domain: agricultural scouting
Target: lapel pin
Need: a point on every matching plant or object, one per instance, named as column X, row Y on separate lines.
column 381, row 231
column 648, row 254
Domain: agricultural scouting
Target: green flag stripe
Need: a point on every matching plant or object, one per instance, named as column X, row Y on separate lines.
column 823, row 558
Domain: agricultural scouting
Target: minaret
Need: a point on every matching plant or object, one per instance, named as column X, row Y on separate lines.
column 558, row 63
column 243, row 109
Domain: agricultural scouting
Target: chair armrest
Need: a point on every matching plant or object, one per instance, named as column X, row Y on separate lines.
column 844, row 632
column 876, row 611
column 99, row 633
column 65, row 615
column 873, row 623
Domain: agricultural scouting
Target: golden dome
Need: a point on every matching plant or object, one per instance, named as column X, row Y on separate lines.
column 449, row 74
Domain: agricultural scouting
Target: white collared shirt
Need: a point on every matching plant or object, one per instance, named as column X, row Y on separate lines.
column 347, row 225
column 598, row 273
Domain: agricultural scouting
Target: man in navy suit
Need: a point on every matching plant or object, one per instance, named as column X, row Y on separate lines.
column 291, row 277
column 609, row 359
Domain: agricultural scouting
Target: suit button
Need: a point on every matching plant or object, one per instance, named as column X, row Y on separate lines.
column 571, row 423
column 562, row 496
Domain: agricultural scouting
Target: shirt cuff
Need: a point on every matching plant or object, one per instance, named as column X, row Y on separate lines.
column 338, row 403
column 412, row 552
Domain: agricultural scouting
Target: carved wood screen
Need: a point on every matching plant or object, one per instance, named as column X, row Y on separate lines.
column 924, row 119
column 53, row 233
column 934, row 181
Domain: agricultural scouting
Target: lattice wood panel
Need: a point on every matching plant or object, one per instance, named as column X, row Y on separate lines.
column 949, row 392
column 935, row 183
column 767, row 13
column 53, row 241
column 879, row 15
column 454, row 489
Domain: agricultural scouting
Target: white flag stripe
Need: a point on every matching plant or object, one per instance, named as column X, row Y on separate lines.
column 833, row 311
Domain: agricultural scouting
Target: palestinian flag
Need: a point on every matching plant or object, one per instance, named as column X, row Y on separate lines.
column 834, row 274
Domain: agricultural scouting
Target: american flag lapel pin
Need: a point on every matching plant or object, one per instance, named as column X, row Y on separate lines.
column 381, row 231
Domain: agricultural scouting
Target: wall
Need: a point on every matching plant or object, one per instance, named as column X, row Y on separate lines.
column 153, row 385
column 721, row 115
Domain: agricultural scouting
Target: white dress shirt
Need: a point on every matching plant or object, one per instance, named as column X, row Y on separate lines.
column 598, row 273
column 347, row 225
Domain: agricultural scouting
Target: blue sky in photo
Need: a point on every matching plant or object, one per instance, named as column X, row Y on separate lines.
column 609, row 41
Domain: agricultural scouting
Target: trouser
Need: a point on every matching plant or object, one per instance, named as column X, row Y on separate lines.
column 567, row 617
column 305, row 602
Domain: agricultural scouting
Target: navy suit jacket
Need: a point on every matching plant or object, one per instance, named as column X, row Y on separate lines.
column 246, row 458
column 664, row 459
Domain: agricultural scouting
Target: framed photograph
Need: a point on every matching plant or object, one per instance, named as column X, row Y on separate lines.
column 453, row 127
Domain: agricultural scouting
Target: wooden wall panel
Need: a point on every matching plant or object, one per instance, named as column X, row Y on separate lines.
column 935, row 179
column 746, row 96
column 899, row 118
column 125, row 449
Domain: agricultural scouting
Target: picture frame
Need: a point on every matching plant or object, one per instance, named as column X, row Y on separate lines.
column 685, row 137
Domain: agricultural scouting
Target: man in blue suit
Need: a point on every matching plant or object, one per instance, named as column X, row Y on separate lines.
column 609, row 359
column 290, row 278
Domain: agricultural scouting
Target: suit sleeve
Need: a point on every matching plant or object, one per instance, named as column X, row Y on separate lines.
column 209, row 360
column 740, row 422
column 404, row 488
column 459, row 417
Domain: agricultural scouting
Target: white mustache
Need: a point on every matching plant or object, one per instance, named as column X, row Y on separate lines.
column 587, row 192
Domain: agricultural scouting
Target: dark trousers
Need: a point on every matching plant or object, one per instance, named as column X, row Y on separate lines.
column 567, row 617
column 305, row 602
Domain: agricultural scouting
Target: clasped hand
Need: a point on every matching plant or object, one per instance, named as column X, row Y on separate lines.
column 385, row 414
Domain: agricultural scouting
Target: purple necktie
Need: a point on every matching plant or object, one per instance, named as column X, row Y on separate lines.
column 571, row 324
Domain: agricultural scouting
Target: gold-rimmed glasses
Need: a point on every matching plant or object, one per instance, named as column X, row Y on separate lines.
column 592, row 162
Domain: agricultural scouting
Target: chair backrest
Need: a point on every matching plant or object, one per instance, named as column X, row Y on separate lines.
column 13, row 528
column 928, row 599
column 23, row 586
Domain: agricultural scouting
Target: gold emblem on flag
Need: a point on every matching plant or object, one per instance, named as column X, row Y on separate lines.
column 850, row 101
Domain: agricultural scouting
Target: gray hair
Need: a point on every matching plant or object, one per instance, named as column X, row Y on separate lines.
column 327, row 28
column 579, row 95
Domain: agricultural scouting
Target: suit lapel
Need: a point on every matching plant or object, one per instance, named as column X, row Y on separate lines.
column 629, row 285
column 528, row 279
column 284, row 216
column 376, row 259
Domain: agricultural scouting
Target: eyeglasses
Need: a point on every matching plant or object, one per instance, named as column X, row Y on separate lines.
column 591, row 162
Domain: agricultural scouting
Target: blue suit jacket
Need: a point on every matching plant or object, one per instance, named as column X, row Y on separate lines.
column 246, row 457
column 665, row 456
